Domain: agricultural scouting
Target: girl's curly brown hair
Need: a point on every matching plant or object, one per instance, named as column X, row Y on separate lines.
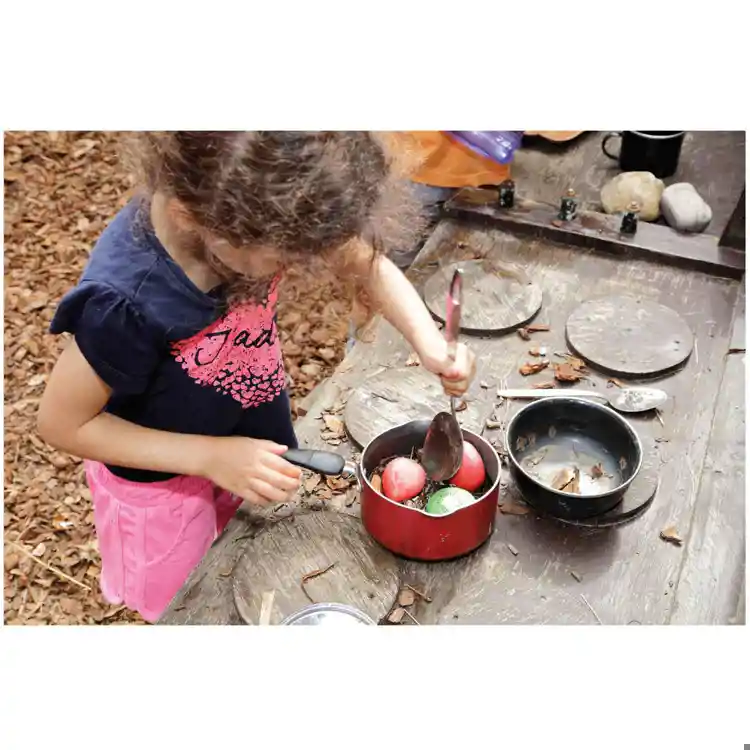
column 312, row 196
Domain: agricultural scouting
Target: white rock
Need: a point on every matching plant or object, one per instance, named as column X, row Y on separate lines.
column 639, row 187
column 684, row 209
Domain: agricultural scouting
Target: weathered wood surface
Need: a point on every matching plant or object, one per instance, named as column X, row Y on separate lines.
column 628, row 574
column 713, row 576
column 496, row 298
column 589, row 229
column 629, row 336
column 734, row 232
column 364, row 575
column 404, row 394
column 713, row 161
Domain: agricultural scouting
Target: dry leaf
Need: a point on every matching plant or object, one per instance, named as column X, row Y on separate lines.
column 513, row 509
column 670, row 535
column 461, row 406
column 566, row 373
column 396, row 616
column 39, row 550
column 568, row 480
column 334, row 424
column 311, row 483
column 377, row 482
column 60, row 523
column 538, row 328
column 616, row 382
column 524, row 334
column 405, row 598
column 597, row 471
column 530, row 368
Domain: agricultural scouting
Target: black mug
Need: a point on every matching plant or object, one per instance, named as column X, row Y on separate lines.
column 655, row 151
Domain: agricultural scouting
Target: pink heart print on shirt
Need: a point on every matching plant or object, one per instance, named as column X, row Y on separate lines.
column 238, row 355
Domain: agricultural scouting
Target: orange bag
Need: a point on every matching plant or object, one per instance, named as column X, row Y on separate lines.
column 447, row 163
column 450, row 164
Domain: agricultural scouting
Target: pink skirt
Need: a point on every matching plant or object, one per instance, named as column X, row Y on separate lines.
column 152, row 536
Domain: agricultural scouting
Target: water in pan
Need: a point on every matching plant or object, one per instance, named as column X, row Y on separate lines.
column 548, row 457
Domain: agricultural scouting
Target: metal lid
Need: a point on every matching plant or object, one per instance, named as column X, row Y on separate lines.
column 329, row 614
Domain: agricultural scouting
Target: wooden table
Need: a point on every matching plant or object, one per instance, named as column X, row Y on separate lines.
column 559, row 574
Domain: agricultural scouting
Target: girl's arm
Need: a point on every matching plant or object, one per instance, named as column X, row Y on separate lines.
column 71, row 418
column 401, row 305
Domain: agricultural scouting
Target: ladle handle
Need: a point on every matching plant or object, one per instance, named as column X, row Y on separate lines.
column 533, row 394
column 453, row 321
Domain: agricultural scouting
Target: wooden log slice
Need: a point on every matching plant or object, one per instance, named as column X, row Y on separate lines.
column 629, row 336
column 497, row 297
column 364, row 575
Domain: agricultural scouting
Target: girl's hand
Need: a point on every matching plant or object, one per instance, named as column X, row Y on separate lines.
column 252, row 469
column 455, row 376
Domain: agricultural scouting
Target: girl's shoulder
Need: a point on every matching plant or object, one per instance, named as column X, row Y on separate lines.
column 129, row 265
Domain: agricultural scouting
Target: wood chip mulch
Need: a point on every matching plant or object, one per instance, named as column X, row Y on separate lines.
column 61, row 189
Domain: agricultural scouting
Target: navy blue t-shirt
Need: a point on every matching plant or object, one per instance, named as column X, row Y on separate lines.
column 177, row 359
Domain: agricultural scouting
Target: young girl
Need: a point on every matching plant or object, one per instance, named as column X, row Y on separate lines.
column 173, row 387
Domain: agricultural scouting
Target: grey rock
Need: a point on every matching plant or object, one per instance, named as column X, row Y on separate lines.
column 633, row 187
column 684, row 209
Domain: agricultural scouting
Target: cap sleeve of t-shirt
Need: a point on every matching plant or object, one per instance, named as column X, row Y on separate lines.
column 119, row 343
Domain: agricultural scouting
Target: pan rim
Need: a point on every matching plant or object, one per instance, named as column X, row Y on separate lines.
column 601, row 407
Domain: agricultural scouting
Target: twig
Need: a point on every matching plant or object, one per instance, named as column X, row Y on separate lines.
column 266, row 607
column 659, row 417
column 411, row 616
column 593, row 611
column 116, row 612
column 385, row 398
column 49, row 567
column 309, row 576
column 418, row 593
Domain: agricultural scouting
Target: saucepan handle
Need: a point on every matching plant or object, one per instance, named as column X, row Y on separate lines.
column 322, row 462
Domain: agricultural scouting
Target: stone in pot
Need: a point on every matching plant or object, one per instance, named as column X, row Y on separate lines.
column 684, row 209
column 633, row 187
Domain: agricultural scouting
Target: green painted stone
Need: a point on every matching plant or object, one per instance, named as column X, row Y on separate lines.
column 448, row 500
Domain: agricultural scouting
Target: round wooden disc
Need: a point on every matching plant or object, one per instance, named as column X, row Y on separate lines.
column 397, row 396
column 364, row 575
column 497, row 297
column 628, row 336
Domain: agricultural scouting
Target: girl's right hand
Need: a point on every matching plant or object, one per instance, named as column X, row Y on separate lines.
column 252, row 469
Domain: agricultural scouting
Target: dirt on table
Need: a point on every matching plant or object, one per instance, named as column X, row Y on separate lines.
column 61, row 189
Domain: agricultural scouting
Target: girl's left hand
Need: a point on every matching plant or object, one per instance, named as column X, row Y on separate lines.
column 455, row 376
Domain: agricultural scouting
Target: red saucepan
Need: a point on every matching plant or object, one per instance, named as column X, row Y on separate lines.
column 409, row 532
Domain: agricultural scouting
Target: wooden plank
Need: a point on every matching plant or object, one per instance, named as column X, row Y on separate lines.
column 626, row 572
column 710, row 590
column 734, row 232
column 713, row 161
column 600, row 232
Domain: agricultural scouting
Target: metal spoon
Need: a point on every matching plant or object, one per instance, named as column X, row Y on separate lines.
column 628, row 400
column 444, row 444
